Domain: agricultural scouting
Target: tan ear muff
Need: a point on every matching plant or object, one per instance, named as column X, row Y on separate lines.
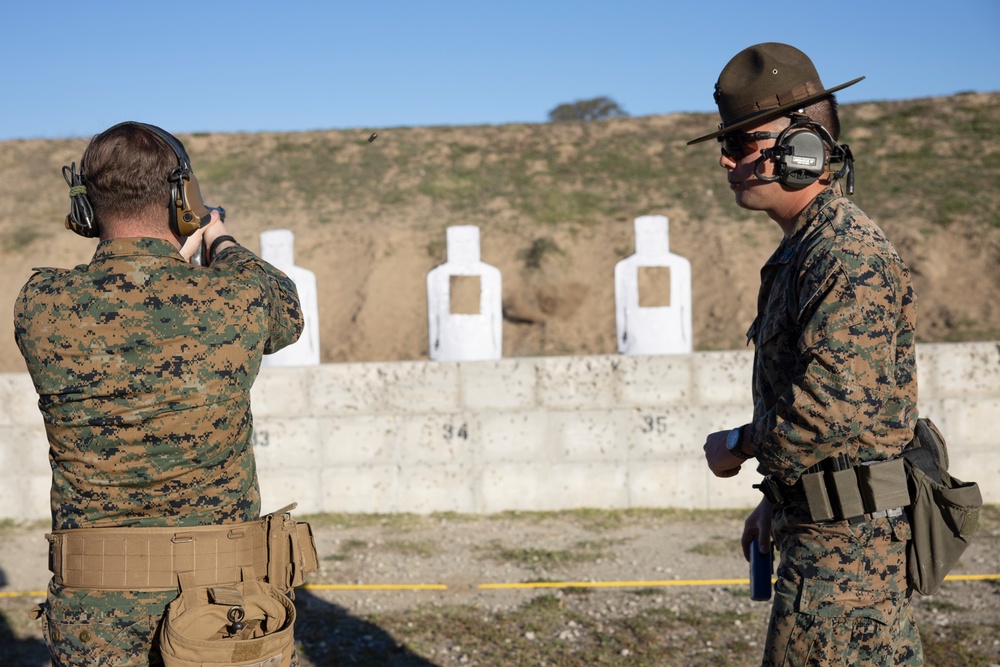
column 189, row 212
column 187, row 209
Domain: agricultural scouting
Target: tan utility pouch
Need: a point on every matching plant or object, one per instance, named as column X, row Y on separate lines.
column 291, row 550
column 250, row 624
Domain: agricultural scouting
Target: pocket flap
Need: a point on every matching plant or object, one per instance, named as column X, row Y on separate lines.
column 827, row 599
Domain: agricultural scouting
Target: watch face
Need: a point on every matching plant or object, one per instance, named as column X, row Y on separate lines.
column 733, row 443
column 733, row 440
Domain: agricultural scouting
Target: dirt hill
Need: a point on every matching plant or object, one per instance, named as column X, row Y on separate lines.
column 554, row 203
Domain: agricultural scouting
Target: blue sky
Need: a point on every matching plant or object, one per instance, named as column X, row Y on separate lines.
column 73, row 69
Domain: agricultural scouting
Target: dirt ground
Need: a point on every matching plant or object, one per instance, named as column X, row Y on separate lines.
column 636, row 563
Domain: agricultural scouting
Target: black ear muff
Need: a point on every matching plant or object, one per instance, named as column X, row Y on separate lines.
column 801, row 158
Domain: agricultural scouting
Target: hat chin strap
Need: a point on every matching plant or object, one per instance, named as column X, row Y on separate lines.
column 800, row 157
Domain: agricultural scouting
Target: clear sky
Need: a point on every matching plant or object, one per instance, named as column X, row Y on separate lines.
column 72, row 69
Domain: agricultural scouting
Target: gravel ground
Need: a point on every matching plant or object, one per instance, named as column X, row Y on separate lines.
column 681, row 565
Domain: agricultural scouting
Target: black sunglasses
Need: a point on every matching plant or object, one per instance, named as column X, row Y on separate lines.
column 736, row 146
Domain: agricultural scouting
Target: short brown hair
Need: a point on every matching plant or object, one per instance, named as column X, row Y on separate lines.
column 126, row 169
column 825, row 112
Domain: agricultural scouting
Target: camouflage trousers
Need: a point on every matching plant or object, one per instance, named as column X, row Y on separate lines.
column 94, row 628
column 841, row 595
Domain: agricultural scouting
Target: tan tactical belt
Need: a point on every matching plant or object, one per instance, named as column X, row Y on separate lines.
column 276, row 549
column 853, row 493
column 136, row 559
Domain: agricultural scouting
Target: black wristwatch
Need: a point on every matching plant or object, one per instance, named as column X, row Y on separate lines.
column 733, row 441
column 215, row 244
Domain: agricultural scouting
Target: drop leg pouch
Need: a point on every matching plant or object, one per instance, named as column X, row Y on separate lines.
column 944, row 512
column 943, row 519
column 203, row 628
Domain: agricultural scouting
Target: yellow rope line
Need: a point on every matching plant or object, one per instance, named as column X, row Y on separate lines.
column 532, row 584
column 617, row 584
column 375, row 587
column 972, row 577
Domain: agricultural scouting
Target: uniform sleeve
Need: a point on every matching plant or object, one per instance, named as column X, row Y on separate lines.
column 279, row 293
column 27, row 313
column 848, row 305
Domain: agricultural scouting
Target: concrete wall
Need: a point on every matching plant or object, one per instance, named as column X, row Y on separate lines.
column 524, row 433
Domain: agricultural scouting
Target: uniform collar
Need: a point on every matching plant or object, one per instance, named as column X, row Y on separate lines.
column 136, row 246
column 811, row 212
column 805, row 223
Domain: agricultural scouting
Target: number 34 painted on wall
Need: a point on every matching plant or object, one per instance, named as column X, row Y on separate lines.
column 450, row 432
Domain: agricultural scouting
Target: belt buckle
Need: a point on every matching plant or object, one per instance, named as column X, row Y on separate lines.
column 770, row 489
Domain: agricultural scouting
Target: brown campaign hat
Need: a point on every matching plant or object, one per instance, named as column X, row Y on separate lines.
column 764, row 81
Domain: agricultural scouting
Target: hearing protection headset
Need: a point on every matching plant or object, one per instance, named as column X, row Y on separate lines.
column 800, row 155
column 187, row 209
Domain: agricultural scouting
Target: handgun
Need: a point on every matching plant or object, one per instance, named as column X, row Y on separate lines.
column 760, row 573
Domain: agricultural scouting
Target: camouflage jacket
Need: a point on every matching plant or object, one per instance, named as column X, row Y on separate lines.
column 834, row 364
column 143, row 365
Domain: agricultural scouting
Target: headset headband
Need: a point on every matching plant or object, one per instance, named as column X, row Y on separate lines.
column 187, row 208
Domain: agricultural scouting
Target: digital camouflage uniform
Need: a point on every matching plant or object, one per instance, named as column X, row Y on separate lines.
column 143, row 365
column 834, row 373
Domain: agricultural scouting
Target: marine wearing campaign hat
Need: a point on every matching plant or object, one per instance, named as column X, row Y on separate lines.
column 834, row 382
